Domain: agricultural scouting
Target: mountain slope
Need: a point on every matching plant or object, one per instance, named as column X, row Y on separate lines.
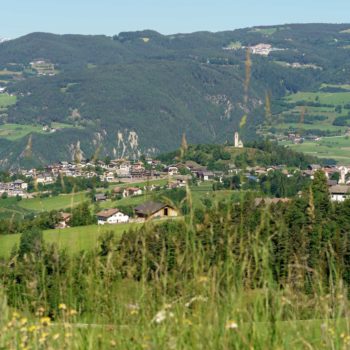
column 139, row 91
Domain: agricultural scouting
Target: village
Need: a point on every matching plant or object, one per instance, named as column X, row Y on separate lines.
column 134, row 178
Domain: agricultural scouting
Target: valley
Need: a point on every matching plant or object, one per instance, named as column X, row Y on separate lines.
column 114, row 94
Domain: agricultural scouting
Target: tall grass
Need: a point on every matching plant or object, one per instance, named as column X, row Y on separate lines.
column 183, row 285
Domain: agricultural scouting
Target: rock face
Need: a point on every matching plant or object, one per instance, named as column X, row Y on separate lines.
column 127, row 144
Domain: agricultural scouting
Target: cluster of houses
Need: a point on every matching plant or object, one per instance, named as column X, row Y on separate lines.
column 17, row 188
column 112, row 171
column 146, row 211
column 339, row 190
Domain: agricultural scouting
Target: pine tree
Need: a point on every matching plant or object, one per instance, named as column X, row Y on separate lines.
column 321, row 195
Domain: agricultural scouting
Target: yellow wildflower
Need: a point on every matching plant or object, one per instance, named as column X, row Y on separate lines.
column 203, row 279
column 45, row 321
column 72, row 312
column 23, row 321
column 32, row 329
column 62, row 307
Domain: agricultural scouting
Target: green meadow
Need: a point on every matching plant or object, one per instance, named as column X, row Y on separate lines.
column 335, row 98
column 74, row 239
column 17, row 131
column 62, row 201
column 337, row 148
column 7, row 100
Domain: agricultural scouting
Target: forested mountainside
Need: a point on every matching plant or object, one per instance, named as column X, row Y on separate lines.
column 137, row 92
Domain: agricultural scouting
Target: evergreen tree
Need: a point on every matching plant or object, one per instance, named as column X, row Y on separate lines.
column 321, row 195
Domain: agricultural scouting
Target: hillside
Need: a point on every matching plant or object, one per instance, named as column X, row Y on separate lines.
column 137, row 92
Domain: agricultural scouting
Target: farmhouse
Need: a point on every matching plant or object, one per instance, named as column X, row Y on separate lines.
column 206, row 175
column 111, row 216
column 100, row 197
column 155, row 210
column 63, row 220
column 339, row 193
column 132, row 191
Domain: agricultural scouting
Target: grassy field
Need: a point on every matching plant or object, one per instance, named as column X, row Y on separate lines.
column 74, row 239
column 332, row 99
column 17, row 131
column 318, row 126
column 337, row 148
column 336, row 98
column 62, row 201
column 7, row 100
column 10, row 207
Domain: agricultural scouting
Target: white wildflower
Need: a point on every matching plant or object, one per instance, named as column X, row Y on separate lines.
column 231, row 325
column 161, row 316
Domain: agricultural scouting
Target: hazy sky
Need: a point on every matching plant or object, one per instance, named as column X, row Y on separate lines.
column 19, row 17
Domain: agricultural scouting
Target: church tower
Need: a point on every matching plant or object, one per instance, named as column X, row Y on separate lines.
column 238, row 143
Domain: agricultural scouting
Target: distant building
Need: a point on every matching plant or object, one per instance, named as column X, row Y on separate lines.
column 100, row 197
column 64, row 220
column 339, row 193
column 205, row 175
column 19, row 184
column 261, row 49
column 111, row 216
column 155, row 210
column 132, row 191
column 237, row 142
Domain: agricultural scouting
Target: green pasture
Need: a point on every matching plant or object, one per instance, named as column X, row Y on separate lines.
column 62, row 201
column 74, row 239
column 337, row 148
column 7, row 100
column 17, row 131
column 337, row 98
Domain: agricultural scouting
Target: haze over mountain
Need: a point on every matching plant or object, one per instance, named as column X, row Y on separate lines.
column 138, row 92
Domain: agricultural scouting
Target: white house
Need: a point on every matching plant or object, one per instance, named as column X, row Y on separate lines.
column 132, row 191
column 19, row 184
column 45, row 179
column 111, row 216
column 173, row 170
column 339, row 193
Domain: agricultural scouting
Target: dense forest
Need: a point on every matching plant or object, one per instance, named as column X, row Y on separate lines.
column 137, row 92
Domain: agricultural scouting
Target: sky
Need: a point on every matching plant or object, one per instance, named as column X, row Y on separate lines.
column 20, row 17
